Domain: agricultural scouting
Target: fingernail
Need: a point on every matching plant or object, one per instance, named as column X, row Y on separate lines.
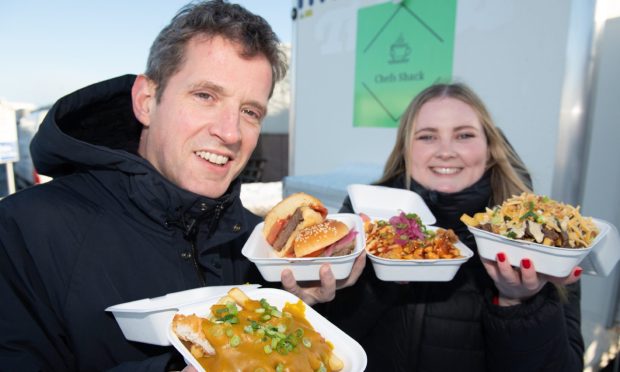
column 577, row 272
column 501, row 257
column 526, row 263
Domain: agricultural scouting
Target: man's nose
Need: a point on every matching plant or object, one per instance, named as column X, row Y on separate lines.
column 226, row 127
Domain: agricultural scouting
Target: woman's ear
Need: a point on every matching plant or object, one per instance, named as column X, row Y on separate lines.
column 143, row 99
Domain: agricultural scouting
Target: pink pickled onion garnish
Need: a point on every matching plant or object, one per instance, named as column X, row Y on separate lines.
column 407, row 227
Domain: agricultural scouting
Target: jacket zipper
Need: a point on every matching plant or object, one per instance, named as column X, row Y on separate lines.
column 201, row 277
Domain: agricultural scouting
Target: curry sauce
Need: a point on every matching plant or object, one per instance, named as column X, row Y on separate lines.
column 259, row 337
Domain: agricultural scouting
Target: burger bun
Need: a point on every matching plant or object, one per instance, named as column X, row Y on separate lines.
column 312, row 240
column 287, row 207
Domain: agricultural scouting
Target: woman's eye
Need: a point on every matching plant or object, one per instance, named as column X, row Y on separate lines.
column 425, row 137
column 466, row 135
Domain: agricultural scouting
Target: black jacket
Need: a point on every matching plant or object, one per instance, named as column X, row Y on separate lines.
column 108, row 229
column 453, row 326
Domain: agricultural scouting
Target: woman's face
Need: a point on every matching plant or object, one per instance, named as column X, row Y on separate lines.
column 449, row 148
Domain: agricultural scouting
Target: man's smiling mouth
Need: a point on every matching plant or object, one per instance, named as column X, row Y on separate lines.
column 212, row 158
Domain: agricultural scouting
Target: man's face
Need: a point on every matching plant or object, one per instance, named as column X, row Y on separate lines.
column 206, row 125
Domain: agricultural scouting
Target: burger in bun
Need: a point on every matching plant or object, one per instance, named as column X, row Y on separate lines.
column 288, row 217
column 297, row 227
column 328, row 238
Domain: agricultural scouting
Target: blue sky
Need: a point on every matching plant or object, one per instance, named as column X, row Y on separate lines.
column 50, row 48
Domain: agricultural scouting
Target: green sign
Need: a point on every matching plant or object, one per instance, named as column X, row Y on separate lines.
column 401, row 49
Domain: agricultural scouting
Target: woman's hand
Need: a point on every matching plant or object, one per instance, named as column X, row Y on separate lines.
column 325, row 290
column 518, row 284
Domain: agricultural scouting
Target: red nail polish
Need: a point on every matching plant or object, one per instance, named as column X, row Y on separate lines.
column 501, row 257
column 526, row 263
column 577, row 272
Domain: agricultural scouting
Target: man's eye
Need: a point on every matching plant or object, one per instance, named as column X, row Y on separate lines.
column 254, row 114
column 203, row 95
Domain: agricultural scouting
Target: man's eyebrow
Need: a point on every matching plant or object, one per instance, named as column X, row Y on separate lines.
column 208, row 85
column 259, row 106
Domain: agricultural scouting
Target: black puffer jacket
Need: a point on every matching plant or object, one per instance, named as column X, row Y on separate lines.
column 453, row 326
column 108, row 229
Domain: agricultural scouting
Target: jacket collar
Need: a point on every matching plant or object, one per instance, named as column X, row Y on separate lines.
column 448, row 207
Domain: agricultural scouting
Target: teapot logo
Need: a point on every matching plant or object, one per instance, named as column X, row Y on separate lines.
column 399, row 51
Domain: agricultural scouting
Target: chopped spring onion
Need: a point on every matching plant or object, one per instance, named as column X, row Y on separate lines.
column 235, row 341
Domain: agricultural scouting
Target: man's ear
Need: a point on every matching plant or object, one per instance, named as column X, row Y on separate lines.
column 143, row 99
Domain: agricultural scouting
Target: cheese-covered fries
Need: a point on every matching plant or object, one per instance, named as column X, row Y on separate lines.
column 537, row 219
column 243, row 334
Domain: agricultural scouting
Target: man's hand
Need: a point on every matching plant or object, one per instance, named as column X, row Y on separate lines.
column 324, row 290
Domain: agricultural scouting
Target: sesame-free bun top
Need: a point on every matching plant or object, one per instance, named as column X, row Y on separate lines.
column 287, row 207
column 317, row 237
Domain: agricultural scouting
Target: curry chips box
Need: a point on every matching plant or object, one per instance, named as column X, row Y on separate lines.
column 151, row 321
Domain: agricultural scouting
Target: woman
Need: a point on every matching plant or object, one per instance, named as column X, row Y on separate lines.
column 491, row 316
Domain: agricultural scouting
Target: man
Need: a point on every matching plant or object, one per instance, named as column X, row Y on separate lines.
column 145, row 196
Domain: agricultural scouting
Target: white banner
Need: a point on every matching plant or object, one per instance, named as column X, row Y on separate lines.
column 9, row 151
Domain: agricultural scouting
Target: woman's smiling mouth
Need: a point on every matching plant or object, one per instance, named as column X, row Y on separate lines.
column 445, row 170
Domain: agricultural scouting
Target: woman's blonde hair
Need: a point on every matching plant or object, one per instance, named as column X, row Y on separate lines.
column 507, row 170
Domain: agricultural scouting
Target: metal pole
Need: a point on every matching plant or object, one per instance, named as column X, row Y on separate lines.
column 10, row 178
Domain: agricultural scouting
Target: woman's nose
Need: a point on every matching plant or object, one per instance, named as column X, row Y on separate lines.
column 445, row 149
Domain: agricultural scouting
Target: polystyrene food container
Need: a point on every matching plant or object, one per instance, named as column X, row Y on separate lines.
column 345, row 347
column 147, row 320
column 257, row 250
column 548, row 260
column 437, row 270
column 384, row 202
column 381, row 203
column 605, row 254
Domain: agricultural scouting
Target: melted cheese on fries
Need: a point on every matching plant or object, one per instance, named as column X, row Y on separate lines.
column 538, row 219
